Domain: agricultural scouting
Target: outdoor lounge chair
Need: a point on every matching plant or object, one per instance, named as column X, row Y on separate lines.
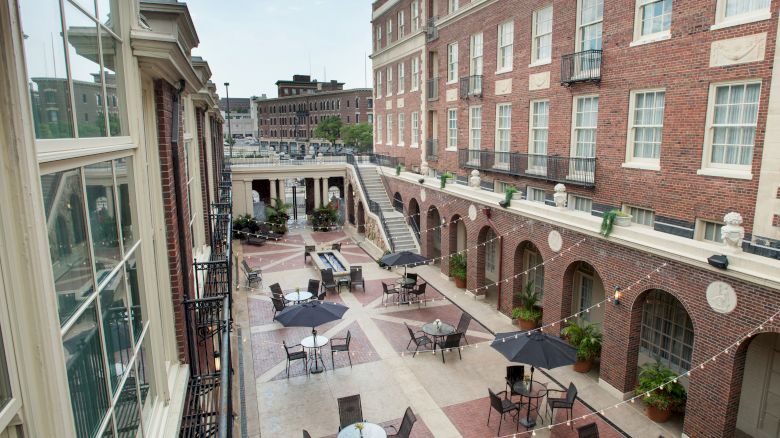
column 503, row 407
column 588, row 431
column 350, row 411
column 566, row 402
column 450, row 342
column 405, row 429
column 292, row 356
column 463, row 325
column 308, row 249
column 420, row 339
column 418, row 292
column 388, row 292
column 328, row 282
column 514, row 374
column 356, row 278
column 341, row 344
column 251, row 274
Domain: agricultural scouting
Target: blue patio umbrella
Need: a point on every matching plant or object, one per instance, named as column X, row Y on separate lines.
column 403, row 258
column 311, row 314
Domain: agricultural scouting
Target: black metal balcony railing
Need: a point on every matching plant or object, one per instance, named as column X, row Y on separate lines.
column 432, row 87
column 373, row 207
column 431, row 31
column 386, row 160
column 554, row 168
column 582, row 66
column 432, row 149
column 471, row 86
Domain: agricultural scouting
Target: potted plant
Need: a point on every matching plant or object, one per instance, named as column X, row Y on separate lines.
column 278, row 216
column 458, row 269
column 623, row 219
column 588, row 342
column 421, row 180
column 660, row 391
column 324, row 218
column 508, row 196
column 397, row 169
column 444, row 177
column 527, row 314
column 615, row 217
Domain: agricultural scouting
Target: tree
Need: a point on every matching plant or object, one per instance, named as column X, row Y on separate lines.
column 329, row 128
column 360, row 135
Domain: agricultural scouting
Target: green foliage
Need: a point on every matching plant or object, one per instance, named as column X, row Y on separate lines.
column 608, row 220
column 324, row 218
column 458, row 266
column 277, row 215
column 230, row 141
column 526, row 314
column 586, row 338
column 669, row 393
column 359, row 135
column 508, row 193
column 397, row 169
column 444, row 177
column 528, row 298
column 329, row 128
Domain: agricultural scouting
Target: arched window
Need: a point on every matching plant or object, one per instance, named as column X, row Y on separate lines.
column 667, row 331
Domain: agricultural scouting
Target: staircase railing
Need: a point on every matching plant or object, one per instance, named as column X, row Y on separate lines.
column 373, row 207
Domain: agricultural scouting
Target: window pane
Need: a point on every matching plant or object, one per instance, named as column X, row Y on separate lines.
column 86, row 74
column 47, row 69
column 127, row 412
column 116, row 329
column 5, row 383
column 112, row 73
column 86, row 374
column 123, row 170
column 102, row 217
column 64, row 204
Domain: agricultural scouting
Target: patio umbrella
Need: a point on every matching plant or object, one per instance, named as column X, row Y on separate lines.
column 403, row 258
column 311, row 314
column 536, row 349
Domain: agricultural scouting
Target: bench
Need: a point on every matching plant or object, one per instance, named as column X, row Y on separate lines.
column 254, row 239
column 251, row 274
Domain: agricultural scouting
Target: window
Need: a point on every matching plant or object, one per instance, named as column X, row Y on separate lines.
column 534, row 194
column 370, row 103
column 667, row 331
column 641, row 216
column 503, row 132
column 415, row 15
column 541, row 50
column 475, row 135
column 415, row 73
column 535, row 267
column 415, row 128
column 371, row 122
column 708, row 231
column 586, row 111
column 357, row 118
column 580, row 203
column 490, row 251
column 389, row 81
column 733, row 12
column 584, row 285
column 731, row 131
column 401, row 77
column 389, row 31
column 401, row 24
column 475, row 64
column 452, row 128
column 379, row 37
column 589, row 24
column 537, row 145
column 378, row 128
column 452, row 6
column 645, row 126
column 389, row 129
column 378, row 84
column 505, row 46
column 401, row 128
column 452, row 63
column 653, row 19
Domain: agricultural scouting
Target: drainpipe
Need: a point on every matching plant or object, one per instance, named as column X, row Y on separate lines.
column 488, row 215
column 178, row 189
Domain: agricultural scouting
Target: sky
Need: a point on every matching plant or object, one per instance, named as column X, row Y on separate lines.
column 254, row 43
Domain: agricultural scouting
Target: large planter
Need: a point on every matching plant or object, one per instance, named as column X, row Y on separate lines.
column 460, row 282
column 658, row 415
column 623, row 221
column 583, row 366
column 526, row 324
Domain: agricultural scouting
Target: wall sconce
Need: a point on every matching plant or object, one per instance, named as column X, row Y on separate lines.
column 443, row 223
column 217, row 361
column 616, row 296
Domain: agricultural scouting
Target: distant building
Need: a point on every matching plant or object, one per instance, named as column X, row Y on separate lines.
column 242, row 124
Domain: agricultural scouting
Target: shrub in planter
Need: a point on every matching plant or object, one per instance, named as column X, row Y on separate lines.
column 588, row 342
column 526, row 319
column 397, row 169
column 528, row 313
column 324, row 218
column 277, row 215
column 611, row 218
column 444, row 177
column 508, row 194
column 458, row 269
column 660, row 392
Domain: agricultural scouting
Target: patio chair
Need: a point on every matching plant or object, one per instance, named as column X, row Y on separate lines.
column 503, row 406
column 463, row 325
column 420, row 339
column 405, row 429
column 588, row 431
column 566, row 402
column 328, row 283
column 335, row 247
column 307, row 250
column 306, row 434
column 350, row 411
column 450, row 342
column 356, row 278
column 514, row 374
column 295, row 355
column 276, row 289
column 341, row 345
column 388, row 292
column 278, row 305
column 314, row 287
column 251, row 274
column 413, row 276
column 418, row 292
column 321, row 296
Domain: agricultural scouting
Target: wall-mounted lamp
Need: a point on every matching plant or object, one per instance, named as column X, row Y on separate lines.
column 488, row 213
column 443, row 223
column 217, row 361
column 616, row 296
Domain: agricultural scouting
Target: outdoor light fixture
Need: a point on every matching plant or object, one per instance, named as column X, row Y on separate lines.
column 718, row 261
column 443, row 223
column 487, row 212
column 616, row 297
column 217, row 361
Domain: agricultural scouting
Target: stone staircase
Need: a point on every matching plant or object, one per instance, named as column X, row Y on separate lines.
column 398, row 230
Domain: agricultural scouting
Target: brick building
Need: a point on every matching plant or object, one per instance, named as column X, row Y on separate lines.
column 666, row 112
column 287, row 122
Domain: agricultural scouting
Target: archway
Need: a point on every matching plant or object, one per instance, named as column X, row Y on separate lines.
column 488, row 262
column 361, row 219
column 528, row 269
column 433, row 234
column 350, row 205
column 398, row 202
column 757, row 414
column 414, row 217
column 665, row 331
column 584, row 288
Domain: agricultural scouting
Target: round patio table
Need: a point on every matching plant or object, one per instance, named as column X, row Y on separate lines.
column 435, row 332
column 314, row 351
column 406, row 284
column 370, row 430
column 533, row 392
column 298, row 297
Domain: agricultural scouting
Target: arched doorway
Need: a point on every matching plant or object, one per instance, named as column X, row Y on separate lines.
column 433, row 233
column 528, row 269
column 350, row 205
column 361, row 219
column 586, row 289
column 414, row 217
column 488, row 262
column 665, row 331
column 458, row 234
column 398, row 202
column 757, row 415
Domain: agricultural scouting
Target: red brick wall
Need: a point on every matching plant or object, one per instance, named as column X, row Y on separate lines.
column 180, row 276
column 200, row 117
column 712, row 396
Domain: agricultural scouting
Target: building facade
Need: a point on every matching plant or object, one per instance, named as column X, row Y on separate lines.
column 241, row 123
column 287, row 123
column 113, row 157
column 665, row 112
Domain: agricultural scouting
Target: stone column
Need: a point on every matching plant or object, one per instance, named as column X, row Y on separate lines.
column 283, row 189
column 239, row 201
column 249, row 205
column 325, row 191
column 273, row 189
column 317, row 193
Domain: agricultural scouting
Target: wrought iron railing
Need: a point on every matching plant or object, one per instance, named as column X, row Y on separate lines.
column 471, row 86
column 386, row 160
column 373, row 207
column 432, row 89
column 571, row 170
column 582, row 66
column 432, row 149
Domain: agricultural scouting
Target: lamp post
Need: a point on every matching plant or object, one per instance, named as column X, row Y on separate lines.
column 230, row 132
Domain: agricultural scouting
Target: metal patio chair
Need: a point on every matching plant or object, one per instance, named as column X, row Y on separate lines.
column 503, row 406
column 405, row 429
column 419, row 339
column 341, row 345
column 350, row 411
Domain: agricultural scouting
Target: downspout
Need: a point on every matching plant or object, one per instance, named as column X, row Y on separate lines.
column 180, row 219
column 488, row 215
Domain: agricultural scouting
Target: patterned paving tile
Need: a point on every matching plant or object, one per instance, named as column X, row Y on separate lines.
column 373, row 290
column 329, row 236
column 260, row 311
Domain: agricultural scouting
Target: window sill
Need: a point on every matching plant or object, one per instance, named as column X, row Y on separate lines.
column 725, row 173
column 400, row 145
column 452, row 82
column 503, row 71
column 414, row 145
column 641, row 166
column 451, row 149
column 752, row 17
column 540, row 63
column 654, row 38
column 400, row 93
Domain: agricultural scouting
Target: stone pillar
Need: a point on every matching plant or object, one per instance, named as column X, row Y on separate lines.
column 239, row 201
column 317, row 192
column 249, row 206
column 283, row 189
column 273, row 190
column 325, row 192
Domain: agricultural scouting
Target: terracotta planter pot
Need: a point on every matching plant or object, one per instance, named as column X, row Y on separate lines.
column 658, row 415
column 460, row 282
column 526, row 324
column 583, row 366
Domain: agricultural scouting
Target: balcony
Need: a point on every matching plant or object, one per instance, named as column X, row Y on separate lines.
column 582, row 66
column 431, row 149
column 471, row 86
column 431, row 31
column 568, row 170
column 432, row 85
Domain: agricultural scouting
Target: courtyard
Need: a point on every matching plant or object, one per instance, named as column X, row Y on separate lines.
column 449, row 399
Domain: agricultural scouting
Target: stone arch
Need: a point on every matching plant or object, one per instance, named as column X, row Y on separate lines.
column 754, row 381
column 433, row 225
column 488, row 262
column 457, row 239
column 398, row 202
column 361, row 218
column 527, row 257
column 583, row 287
column 414, row 217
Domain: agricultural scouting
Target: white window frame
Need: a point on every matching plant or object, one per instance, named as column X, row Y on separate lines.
column 701, row 230
column 389, row 31
column 401, row 24
column 415, row 74
column 476, row 62
column 389, row 75
column 452, row 129
column 505, row 40
column 401, row 129
column 633, row 209
column 452, row 63
column 475, row 133
column 389, row 118
column 415, row 15
column 530, row 191
column 572, row 203
column 379, row 84
column 498, row 162
column 722, row 21
column 536, row 37
column 378, row 131
column 452, row 6
column 640, row 39
column 401, row 77
column 379, row 37
column 534, row 165
column 415, row 141
column 718, row 169
column 574, row 128
column 581, row 25
column 631, row 160
column 532, row 258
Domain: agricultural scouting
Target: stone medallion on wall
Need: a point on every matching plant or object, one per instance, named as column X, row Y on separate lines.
column 555, row 241
column 422, row 194
column 721, row 297
column 473, row 212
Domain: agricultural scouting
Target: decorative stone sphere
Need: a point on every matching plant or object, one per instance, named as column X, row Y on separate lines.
column 475, row 181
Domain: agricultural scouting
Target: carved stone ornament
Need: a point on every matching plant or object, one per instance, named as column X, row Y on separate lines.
column 423, row 195
column 424, row 168
column 475, row 180
column 741, row 50
column 732, row 232
column 721, row 297
column 560, row 195
column 472, row 212
column 555, row 240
